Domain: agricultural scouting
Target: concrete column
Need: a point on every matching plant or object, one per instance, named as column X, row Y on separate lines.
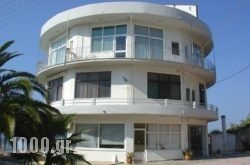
column 129, row 133
column 224, row 132
column 184, row 133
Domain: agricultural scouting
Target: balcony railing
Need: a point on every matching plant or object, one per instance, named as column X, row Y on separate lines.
column 128, row 101
column 81, row 54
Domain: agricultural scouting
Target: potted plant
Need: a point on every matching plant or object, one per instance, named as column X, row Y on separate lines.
column 187, row 153
column 129, row 157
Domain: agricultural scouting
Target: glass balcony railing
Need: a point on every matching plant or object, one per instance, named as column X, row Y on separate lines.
column 129, row 101
column 80, row 54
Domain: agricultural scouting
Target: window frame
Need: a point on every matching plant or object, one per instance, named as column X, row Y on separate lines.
column 102, row 36
column 202, row 94
column 98, row 137
column 157, row 132
column 188, row 92
column 91, row 84
column 55, row 51
column 175, row 51
column 165, row 83
column 56, row 84
column 149, row 38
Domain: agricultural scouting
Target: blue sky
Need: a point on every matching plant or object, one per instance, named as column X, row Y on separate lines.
column 229, row 21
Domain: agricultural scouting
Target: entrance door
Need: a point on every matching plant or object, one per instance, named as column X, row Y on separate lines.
column 195, row 139
column 139, row 144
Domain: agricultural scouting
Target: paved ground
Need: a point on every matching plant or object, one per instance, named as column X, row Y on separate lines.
column 229, row 159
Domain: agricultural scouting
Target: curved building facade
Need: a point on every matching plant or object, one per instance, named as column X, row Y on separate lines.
column 134, row 74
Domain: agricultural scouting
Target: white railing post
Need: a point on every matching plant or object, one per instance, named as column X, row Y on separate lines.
column 165, row 102
column 94, row 101
column 194, row 104
column 62, row 102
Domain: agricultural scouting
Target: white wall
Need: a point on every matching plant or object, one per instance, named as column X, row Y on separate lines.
column 191, row 9
column 121, row 80
column 150, row 155
column 217, row 142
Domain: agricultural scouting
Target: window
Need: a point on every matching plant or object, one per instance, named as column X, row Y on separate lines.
column 112, row 136
column 58, row 52
column 193, row 95
column 197, row 54
column 202, row 92
column 109, row 38
column 175, row 48
column 164, row 86
column 187, row 94
column 148, row 42
column 55, row 89
column 197, row 50
column 101, row 135
column 186, row 52
column 163, row 136
column 93, row 85
column 90, row 133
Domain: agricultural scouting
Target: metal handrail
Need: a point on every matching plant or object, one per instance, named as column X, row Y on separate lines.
column 129, row 101
column 84, row 53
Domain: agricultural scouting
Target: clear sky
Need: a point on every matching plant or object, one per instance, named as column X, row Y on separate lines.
column 229, row 21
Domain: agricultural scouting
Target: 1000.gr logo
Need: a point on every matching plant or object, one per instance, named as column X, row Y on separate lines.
column 20, row 145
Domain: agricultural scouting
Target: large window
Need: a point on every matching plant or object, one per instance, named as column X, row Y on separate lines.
column 101, row 135
column 164, row 86
column 148, row 42
column 109, row 38
column 58, row 51
column 163, row 136
column 55, row 89
column 93, row 85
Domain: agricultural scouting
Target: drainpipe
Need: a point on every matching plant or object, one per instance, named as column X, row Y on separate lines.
column 224, row 132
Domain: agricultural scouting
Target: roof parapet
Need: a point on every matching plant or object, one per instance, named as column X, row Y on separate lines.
column 191, row 9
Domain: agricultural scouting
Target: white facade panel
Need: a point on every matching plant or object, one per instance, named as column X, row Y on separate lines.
column 129, row 102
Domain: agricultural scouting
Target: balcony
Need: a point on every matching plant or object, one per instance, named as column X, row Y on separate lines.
column 137, row 106
column 84, row 54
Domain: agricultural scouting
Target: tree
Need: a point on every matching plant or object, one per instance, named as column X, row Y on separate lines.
column 16, row 89
column 24, row 116
column 242, row 131
column 244, row 124
column 55, row 128
column 215, row 131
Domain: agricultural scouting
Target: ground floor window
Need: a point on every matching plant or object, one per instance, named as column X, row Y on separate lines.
column 163, row 136
column 101, row 135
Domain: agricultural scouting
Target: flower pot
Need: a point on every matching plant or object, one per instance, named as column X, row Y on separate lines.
column 187, row 157
column 129, row 160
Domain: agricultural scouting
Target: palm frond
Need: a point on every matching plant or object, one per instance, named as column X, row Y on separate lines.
column 6, row 56
column 6, row 45
column 20, row 85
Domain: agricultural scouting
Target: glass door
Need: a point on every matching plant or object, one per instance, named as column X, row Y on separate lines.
column 195, row 139
column 139, row 141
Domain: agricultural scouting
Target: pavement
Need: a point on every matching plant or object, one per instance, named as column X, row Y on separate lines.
column 226, row 159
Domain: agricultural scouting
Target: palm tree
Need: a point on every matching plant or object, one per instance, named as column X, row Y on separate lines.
column 22, row 115
column 55, row 129
column 16, row 89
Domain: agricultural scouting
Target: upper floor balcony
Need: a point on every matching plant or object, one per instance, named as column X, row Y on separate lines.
column 84, row 54
column 133, row 106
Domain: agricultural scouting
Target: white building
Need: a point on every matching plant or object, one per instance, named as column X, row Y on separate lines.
column 135, row 74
